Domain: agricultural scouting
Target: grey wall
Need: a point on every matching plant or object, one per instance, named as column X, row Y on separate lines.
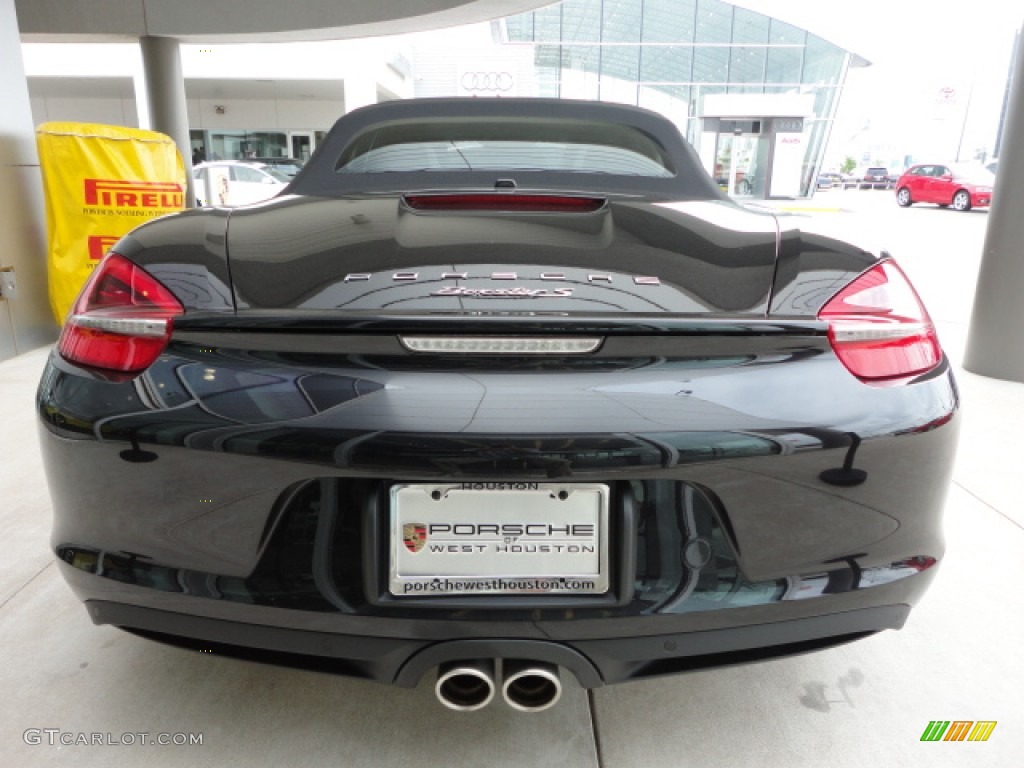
column 251, row 20
column 25, row 321
column 239, row 114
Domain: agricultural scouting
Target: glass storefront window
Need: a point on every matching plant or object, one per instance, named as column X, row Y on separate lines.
column 520, row 27
column 547, row 25
column 714, row 22
column 620, row 22
column 239, row 145
column 548, row 60
column 547, row 56
column 581, row 21
column 815, row 134
column 746, row 67
column 622, row 62
column 823, row 62
column 668, row 21
column 785, row 56
column 714, row 25
column 711, row 65
column 749, row 28
column 662, row 65
column 747, row 63
column 823, row 98
column 667, row 55
column 579, row 78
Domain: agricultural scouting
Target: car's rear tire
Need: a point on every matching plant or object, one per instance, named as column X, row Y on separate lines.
column 962, row 200
column 903, row 197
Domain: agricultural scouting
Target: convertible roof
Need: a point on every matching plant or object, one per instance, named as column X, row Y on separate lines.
column 320, row 176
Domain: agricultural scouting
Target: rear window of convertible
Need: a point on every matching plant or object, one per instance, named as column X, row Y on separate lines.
column 483, row 144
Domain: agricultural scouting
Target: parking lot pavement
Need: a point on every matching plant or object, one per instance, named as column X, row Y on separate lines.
column 866, row 703
column 860, row 704
column 833, row 201
column 62, row 672
column 57, row 670
column 25, row 511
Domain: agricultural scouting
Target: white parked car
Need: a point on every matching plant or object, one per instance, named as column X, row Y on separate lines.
column 236, row 182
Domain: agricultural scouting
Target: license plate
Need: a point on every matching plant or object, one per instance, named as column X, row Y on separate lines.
column 499, row 539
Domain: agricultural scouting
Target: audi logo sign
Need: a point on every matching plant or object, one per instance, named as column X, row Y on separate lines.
column 484, row 82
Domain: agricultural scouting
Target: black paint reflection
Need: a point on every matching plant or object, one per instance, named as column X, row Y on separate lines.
column 355, row 411
column 685, row 561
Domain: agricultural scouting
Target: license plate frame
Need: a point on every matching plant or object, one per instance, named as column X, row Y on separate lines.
column 555, row 537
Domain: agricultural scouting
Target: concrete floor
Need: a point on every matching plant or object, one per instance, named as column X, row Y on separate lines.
column 863, row 704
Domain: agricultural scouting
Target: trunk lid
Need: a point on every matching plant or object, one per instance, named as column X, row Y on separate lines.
column 323, row 259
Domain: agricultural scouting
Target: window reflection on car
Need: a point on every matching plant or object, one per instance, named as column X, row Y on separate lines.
column 289, row 166
column 233, row 183
column 543, row 145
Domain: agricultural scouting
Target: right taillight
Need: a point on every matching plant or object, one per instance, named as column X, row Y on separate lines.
column 879, row 328
column 121, row 320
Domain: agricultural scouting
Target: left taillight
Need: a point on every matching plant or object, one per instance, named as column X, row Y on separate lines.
column 122, row 319
column 879, row 328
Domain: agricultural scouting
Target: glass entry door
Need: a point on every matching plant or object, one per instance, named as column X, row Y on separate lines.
column 741, row 163
column 301, row 144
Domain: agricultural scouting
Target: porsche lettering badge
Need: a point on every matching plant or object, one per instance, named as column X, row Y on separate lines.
column 409, row 276
column 504, row 293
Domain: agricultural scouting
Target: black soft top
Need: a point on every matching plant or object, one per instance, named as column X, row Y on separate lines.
column 330, row 172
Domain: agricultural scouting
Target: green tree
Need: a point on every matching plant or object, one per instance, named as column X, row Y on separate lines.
column 848, row 165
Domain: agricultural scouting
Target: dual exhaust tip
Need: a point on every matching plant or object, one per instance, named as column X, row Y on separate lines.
column 527, row 686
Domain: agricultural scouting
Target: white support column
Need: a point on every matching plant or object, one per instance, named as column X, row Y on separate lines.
column 141, row 97
column 165, row 92
column 25, row 318
column 360, row 91
column 997, row 322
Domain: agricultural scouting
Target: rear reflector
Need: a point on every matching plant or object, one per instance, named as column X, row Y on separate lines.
column 121, row 320
column 879, row 328
column 485, row 345
column 484, row 201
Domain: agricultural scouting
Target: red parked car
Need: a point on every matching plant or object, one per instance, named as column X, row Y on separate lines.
column 963, row 187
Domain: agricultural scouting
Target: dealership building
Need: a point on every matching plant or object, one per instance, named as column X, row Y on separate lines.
column 755, row 95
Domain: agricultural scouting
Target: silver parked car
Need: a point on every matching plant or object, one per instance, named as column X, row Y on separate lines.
column 236, row 182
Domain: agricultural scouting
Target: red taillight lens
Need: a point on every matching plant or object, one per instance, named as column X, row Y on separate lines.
column 121, row 321
column 490, row 201
column 878, row 327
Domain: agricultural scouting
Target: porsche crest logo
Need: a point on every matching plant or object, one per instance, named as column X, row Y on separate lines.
column 415, row 536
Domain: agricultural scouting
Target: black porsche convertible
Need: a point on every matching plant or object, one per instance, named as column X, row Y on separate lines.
column 502, row 390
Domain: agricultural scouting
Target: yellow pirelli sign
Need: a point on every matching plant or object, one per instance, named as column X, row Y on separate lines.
column 100, row 182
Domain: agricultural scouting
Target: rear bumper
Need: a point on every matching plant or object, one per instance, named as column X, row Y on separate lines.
column 594, row 662
column 762, row 504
